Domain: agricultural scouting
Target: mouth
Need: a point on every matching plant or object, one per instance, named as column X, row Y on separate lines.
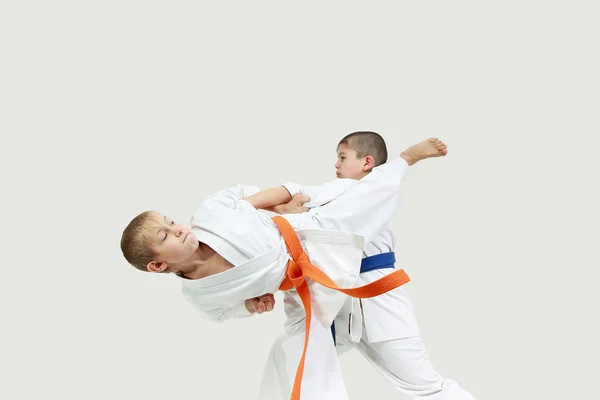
column 185, row 237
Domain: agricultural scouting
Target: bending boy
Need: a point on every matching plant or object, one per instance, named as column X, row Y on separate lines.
column 234, row 253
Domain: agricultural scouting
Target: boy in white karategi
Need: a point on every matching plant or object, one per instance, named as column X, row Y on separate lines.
column 383, row 328
column 234, row 253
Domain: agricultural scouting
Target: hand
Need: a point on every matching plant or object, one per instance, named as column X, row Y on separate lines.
column 261, row 304
column 296, row 205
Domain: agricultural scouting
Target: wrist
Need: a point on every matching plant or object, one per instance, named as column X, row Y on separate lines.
column 280, row 209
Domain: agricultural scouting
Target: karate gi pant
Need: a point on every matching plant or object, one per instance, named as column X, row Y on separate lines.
column 405, row 364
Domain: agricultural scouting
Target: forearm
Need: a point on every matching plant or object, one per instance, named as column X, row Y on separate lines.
column 278, row 209
column 269, row 199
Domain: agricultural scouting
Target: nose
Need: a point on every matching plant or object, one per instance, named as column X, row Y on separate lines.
column 337, row 165
column 178, row 230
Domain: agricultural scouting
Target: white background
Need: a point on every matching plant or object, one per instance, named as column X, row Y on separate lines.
column 111, row 108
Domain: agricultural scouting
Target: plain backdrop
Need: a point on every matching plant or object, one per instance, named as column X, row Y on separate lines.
column 109, row 108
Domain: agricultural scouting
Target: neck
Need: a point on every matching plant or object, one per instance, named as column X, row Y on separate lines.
column 199, row 266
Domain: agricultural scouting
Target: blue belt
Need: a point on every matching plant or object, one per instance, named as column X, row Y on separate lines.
column 379, row 261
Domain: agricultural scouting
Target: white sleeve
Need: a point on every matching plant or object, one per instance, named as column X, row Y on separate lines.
column 391, row 173
column 228, row 198
column 367, row 207
column 223, row 314
column 218, row 313
column 323, row 194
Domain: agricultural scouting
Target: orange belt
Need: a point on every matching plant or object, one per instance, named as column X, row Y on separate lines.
column 299, row 268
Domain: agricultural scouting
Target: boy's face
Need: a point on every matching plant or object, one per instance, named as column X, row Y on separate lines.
column 173, row 243
column 348, row 165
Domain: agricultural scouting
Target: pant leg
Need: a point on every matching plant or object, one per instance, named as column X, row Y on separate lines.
column 405, row 363
column 322, row 377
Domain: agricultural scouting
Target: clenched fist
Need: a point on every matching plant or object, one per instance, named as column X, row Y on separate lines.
column 295, row 206
column 260, row 304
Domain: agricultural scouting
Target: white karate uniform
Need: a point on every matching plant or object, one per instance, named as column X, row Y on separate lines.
column 333, row 237
column 384, row 329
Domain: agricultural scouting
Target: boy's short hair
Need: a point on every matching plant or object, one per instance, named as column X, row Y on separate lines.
column 367, row 143
column 134, row 242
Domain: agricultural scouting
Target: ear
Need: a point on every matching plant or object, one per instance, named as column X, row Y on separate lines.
column 156, row 266
column 368, row 164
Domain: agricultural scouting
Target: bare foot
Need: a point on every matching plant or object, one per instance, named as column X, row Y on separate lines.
column 426, row 149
